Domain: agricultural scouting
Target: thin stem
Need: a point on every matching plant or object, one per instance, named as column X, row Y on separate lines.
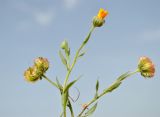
column 50, row 81
column 75, row 58
column 70, row 108
column 65, row 113
column 74, row 62
column 102, row 94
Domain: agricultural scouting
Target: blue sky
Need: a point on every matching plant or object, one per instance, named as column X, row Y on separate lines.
column 33, row 28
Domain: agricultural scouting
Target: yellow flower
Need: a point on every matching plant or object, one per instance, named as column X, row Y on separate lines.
column 99, row 20
column 36, row 72
column 42, row 64
column 32, row 74
column 146, row 67
column 102, row 13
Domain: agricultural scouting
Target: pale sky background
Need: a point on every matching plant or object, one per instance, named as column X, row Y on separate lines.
column 33, row 28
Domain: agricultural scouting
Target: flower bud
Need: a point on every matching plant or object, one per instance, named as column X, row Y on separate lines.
column 64, row 45
column 99, row 20
column 32, row 74
column 42, row 64
column 146, row 67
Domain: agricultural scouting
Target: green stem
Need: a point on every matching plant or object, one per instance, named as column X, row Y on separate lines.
column 65, row 112
column 74, row 62
column 70, row 108
column 76, row 56
column 102, row 94
column 53, row 83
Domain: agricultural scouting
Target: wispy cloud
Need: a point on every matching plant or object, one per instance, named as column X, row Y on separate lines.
column 44, row 18
column 69, row 4
column 152, row 35
column 33, row 15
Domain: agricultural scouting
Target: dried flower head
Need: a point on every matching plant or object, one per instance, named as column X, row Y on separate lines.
column 32, row 74
column 146, row 67
column 42, row 64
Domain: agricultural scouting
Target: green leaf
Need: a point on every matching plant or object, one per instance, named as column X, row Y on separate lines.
column 70, row 84
column 64, row 100
column 91, row 111
column 82, row 54
column 67, row 52
column 87, row 38
column 97, row 87
column 112, row 87
column 123, row 76
column 61, row 115
column 63, row 59
column 70, row 108
column 59, row 85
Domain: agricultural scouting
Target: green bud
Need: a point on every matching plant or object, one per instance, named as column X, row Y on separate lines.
column 98, row 22
column 64, row 45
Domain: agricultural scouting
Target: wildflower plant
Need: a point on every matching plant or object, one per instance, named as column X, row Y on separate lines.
column 37, row 72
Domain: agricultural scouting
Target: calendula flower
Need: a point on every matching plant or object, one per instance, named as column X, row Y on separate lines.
column 146, row 67
column 42, row 64
column 102, row 13
column 36, row 72
column 32, row 74
column 99, row 20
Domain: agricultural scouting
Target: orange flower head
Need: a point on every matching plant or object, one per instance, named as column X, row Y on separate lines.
column 102, row 13
column 146, row 67
column 99, row 20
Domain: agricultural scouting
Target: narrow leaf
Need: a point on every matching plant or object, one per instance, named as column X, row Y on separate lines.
column 82, row 54
column 91, row 110
column 70, row 108
column 59, row 85
column 123, row 76
column 112, row 87
column 87, row 38
column 61, row 115
column 69, row 85
column 63, row 59
column 97, row 87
